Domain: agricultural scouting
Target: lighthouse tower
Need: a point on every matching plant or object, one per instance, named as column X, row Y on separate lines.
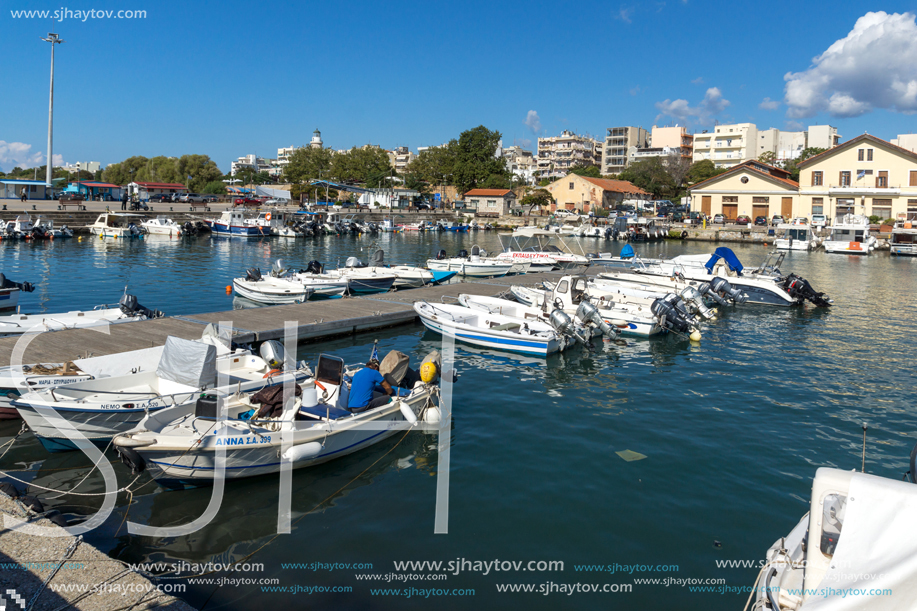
column 316, row 142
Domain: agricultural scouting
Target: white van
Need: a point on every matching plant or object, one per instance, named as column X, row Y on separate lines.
column 819, row 220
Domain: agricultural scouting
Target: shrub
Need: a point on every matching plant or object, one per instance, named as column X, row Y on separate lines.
column 874, row 220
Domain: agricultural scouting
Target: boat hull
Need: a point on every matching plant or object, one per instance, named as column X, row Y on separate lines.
column 242, row 231
column 296, row 293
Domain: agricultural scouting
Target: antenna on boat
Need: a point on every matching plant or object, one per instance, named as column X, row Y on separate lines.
column 863, row 466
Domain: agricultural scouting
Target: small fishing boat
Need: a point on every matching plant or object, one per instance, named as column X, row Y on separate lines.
column 540, row 249
column 127, row 310
column 389, row 226
column 364, row 281
column 234, row 224
column 453, row 226
column 10, row 291
column 406, row 276
column 162, row 225
column 850, row 235
column 904, row 239
column 281, row 287
column 102, row 408
column 472, row 266
column 492, row 330
column 414, row 226
column 182, row 445
column 116, row 225
column 46, row 226
column 795, row 236
column 584, row 326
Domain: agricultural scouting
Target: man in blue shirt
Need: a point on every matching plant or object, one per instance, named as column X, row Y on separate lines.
column 362, row 388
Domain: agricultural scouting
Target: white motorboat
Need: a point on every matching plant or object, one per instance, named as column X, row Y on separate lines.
column 388, row 226
column 904, row 239
column 116, row 225
column 850, row 551
column 793, row 236
column 46, row 226
column 470, row 266
column 406, row 276
column 162, row 225
column 271, row 290
column 182, row 445
column 850, row 235
column 693, row 300
column 127, row 310
column 102, row 408
column 584, row 328
column 571, row 291
column 539, row 247
column 492, row 330
column 10, row 292
column 233, row 223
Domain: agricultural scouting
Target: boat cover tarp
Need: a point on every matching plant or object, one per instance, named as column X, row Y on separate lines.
column 726, row 255
column 272, row 193
column 876, row 549
column 110, row 365
column 394, row 366
column 219, row 336
column 188, row 362
column 628, row 252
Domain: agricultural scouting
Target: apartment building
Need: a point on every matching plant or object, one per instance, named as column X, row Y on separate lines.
column 673, row 138
column 618, row 141
column 784, row 145
column 85, row 166
column 727, row 145
column 558, row 154
column 259, row 164
column 822, row 136
column 400, row 157
column 520, row 162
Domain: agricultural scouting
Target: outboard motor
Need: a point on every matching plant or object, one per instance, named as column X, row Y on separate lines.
column 587, row 312
column 463, row 254
column 705, row 291
column 722, row 287
column 135, row 231
column 695, row 298
column 129, row 305
column 353, row 262
column 278, row 268
column 25, row 287
column 564, row 325
column 253, row 274
column 799, row 289
column 315, row 267
column 273, row 353
column 670, row 315
column 441, row 255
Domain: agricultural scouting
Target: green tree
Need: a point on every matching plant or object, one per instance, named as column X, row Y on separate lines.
column 308, row 164
column 200, row 168
column 702, row 170
column 589, row 171
column 537, row 198
column 475, row 160
column 497, row 181
column 122, row 173
column 650, row 175
column 215, row 187
column 791, row 165
column 435, row 165
column 367, row 166
column 768, row 157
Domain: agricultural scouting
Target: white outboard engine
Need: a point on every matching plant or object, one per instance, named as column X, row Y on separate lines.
column 695, row 301
column 706, row 291
column 273, row 353
column 722, row 287
column 134, row 230
column 587, row 312
column 353, row 262
column 130, row 306
column 564, row 325
column 278, row 268
column 670, row 314
column 253, row 274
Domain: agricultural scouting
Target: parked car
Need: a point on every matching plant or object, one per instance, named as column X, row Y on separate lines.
column 743, row 219
column 160, row 197
column 761, row 220
column 247, row 201
column 188, row 198
column 422, row 206
column 678, row 217
column 719, row 218
column 800, row 220
column 777, row 219
column 563, row 213
column 819, row 220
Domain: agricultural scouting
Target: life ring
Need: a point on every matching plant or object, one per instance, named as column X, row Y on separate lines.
column 267, row 216
column 272, row 373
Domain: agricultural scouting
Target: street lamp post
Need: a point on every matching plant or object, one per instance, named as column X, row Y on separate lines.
column 53, row 39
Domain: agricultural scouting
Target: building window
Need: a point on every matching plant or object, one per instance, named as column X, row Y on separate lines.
column 882, row 179
column 571, row 186
column 730, row 199
column 760, row 200
column 818, row 206
column 491, row 203
column 816, row 179
column 868, row 154
column 859, row 154
column 845, row 179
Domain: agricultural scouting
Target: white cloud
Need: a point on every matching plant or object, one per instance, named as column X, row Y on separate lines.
column 13, row 154
column 635, row 90
column 874, row 66
column 698, row 81
column 533, row 121
column 712, row 105
column 624, row 14
column 793, row 126
column 769, row 104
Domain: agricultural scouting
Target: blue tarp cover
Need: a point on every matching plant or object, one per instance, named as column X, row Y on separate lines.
column 627, row 252
column 726, row 255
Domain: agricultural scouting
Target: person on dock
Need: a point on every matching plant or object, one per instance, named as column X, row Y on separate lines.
column 363, row 395
column 24, row 197
column 124, row 200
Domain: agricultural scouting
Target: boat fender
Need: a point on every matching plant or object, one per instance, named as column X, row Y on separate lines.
column 408, row 413
column 428, row 372
column 9, row 490
column 272, row 373
column 58, row 518
column 32, row 503
column 432, row 415
column 303, row 451
column 129, row 442
column 132, row 459
column 684, row 234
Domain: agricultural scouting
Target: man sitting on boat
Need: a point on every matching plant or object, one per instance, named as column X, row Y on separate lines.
column 363, row 394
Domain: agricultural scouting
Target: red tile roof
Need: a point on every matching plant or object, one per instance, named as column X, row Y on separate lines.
column 616, row 186
column 488, row 192
column 92, row 183
column 162, row 185
column 753, row 165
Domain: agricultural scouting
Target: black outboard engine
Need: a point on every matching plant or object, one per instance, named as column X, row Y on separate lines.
column 441, row 255
column 799, row 289
column 463, row 254
column 130, row 306
column 25, row 287
column 315, row 267
column 706, row 291
column 38, row 233
column 671, row 314
column 253, row 274
column 722, row 287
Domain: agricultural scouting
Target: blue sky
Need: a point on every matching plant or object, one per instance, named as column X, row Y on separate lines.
column 232, row 78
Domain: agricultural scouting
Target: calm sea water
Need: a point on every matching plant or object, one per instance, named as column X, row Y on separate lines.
column 732, row 431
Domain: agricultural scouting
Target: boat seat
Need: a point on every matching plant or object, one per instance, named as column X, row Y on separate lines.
column 507, row 326
column 321, row 411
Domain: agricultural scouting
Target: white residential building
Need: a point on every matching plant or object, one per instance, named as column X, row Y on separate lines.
column 822, row 136
column 784, row 145
column 906, row 141
column 521, row 163
column 558, row 154
column 727, row 145
column 618, row 142
column 400, row 157
column 86, row 166
column 259, row 164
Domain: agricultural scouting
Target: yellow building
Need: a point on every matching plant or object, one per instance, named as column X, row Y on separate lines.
column 751, row 188
column 866, row 175
column 575, row 192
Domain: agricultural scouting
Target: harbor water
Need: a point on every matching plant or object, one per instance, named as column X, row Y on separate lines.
column 732, row 430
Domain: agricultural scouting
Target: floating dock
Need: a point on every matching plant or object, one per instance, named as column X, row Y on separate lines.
column 314, row 320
